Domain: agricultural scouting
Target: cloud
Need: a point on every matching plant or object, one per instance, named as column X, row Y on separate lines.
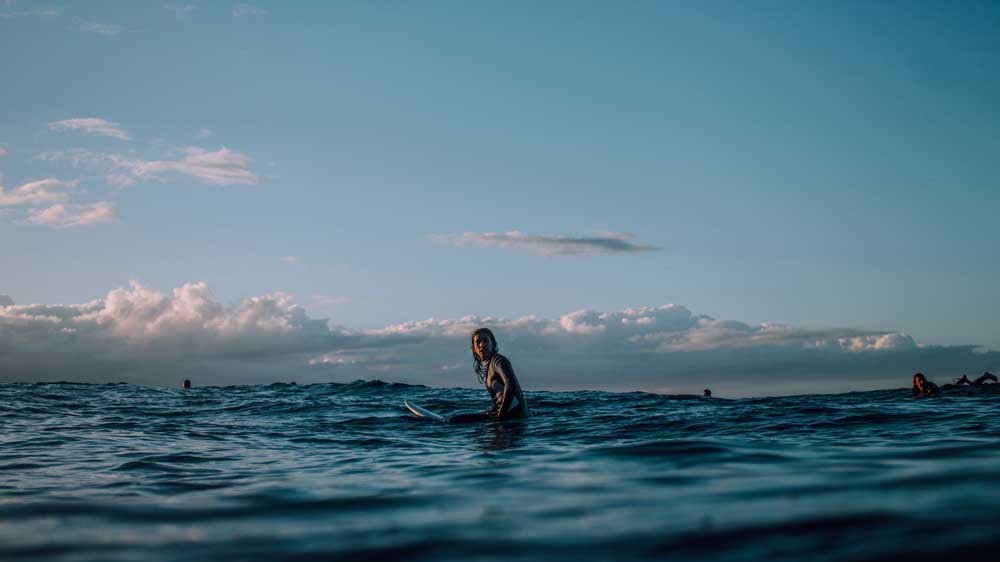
column 106, row 29
column 222, row 167
column 204, row 133
column 5, row 300
column 71, row 216
column 599, row 243
column 325, row 300
column 47, row 13
column 3, row 152
column 288, row 259
column 90, row 125
column 140, row 335
column 180, row 10
column 49, row 190
column 248, row 10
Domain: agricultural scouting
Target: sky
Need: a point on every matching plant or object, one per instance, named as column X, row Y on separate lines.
column 761, row 197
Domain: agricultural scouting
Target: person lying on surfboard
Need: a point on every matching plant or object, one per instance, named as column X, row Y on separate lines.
column 495, row 371
column 923, row 387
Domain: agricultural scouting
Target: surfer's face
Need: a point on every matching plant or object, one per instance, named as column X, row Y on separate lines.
column 482, row 346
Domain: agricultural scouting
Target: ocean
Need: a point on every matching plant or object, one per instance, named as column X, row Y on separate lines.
column 344, row 472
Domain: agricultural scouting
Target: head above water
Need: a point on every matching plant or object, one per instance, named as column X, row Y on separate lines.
column 484, row 345
column 919, row 381
column 187, row 383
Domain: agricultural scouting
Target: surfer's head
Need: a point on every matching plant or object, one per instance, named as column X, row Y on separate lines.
column 187, row 383
column 919, row 382
column 484, row 344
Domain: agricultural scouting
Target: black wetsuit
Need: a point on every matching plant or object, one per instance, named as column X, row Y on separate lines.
column 501, row 382
column 508, row 398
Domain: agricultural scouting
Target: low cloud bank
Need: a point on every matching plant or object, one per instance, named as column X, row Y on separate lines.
column 139, row 335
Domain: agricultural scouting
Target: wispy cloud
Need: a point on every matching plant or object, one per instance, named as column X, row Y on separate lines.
column 326, row 300
column 70, row 216
column 41, row 192
column 204, row 133
column 248, row 10
column 288, row 259
column 90, row 125
column 100, row 28
column 180, row 10
column 46, row 13
column 3, row 152
column 221, row 167
column 599, row 243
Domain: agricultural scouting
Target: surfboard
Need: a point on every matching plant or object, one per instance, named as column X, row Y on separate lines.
column 421, row 412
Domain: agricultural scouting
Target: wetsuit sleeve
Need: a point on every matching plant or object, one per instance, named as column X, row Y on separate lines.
column 505, row 371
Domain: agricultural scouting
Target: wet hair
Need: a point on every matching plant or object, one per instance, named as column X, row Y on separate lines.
column 477, row 364
column 922, row 378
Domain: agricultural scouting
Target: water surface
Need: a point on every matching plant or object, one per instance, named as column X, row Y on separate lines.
column 343, row 472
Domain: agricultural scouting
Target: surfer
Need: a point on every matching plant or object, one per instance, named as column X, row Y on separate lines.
column 495, row 371
column 964, row 380
column 923, row 387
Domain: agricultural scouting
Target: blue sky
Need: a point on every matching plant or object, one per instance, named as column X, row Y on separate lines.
column 822, row 165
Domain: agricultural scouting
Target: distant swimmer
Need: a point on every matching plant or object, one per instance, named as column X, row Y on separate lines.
column 187, row 383
column 707, row 393
column 923, row 387
column 496, row 372
column 964, row 380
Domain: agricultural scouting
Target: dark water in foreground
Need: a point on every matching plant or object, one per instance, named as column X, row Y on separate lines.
column 342, row 472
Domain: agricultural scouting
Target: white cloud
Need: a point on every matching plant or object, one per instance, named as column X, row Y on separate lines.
column 140, row 335
column 325, row 300
column 288, row 259
column 41, row 192
column 222, row 167
column 248, row 10
column 70, row 216
column 599, row 243
column 90, row 125
column 3, row 152
column 100, row 28
column 47, row 13
column 180, row 10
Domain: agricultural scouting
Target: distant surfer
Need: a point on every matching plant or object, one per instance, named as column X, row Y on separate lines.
column 964, row 380
column 923, row 387
column 707, row 393
column 187, row 383
column 495, row 371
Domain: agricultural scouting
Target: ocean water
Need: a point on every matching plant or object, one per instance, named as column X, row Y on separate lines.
column 343, row 472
